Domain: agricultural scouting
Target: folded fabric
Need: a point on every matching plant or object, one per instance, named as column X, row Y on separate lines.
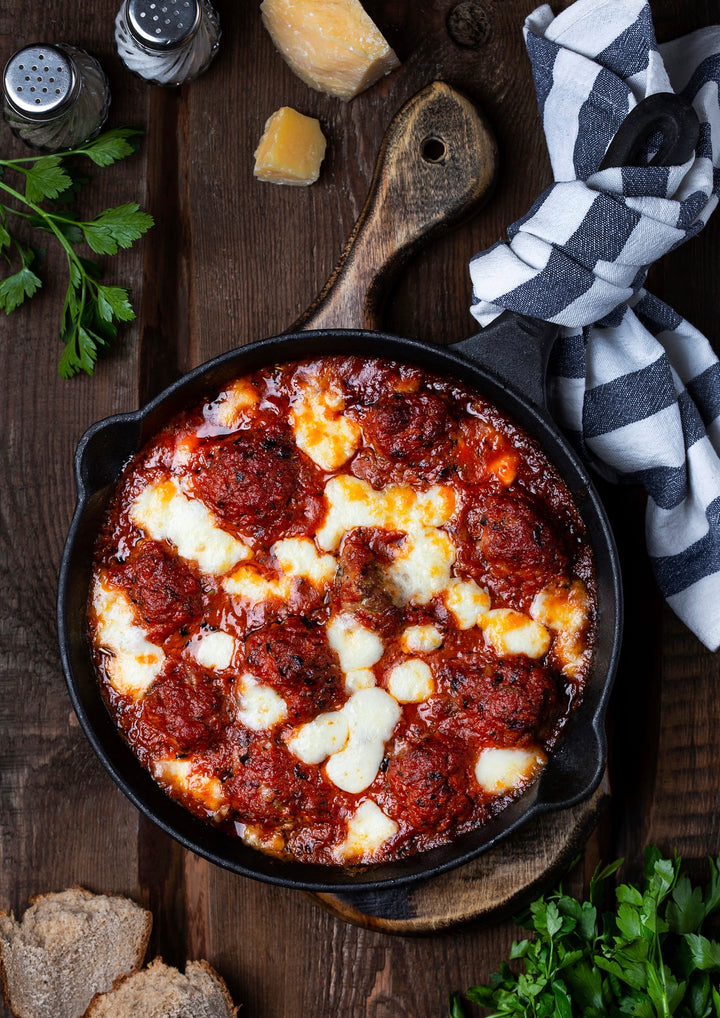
column 634, row 385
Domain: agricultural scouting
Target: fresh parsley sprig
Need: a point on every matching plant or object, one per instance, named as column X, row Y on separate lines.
column 92, row 310
column 649, row 957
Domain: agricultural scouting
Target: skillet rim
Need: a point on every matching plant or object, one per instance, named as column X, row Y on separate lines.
column 140, row 424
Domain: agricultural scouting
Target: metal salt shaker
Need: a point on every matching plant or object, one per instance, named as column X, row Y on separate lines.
column 54, row 97
column 167, row 42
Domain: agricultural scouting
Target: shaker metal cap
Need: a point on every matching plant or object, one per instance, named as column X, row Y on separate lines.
column 40, row 81
column 163, row 24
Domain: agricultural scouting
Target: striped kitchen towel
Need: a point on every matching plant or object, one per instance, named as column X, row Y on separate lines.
column 634, row 385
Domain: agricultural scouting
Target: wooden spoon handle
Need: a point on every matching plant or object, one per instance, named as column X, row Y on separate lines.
column 437, row 162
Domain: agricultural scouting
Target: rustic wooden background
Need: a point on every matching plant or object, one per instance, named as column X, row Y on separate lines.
column 231, row 260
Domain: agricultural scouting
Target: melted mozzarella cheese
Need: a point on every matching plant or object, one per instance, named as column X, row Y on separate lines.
column 352, row 503
column 258, row 706
column 359, row 678
column 232, row 405
column 321, row 429
column 421, row 639
column 183, row 776
column 357, row 648
column 368, row 829
column 510, row 632
column 422, row 567
column 371, row 715
column 166, row 514
column 215, row 650
column 411, row 681
column 564, row 610
column 320, row 738
column 467, row 602
column 135, row 662
column 297, row 557
column 501, row 770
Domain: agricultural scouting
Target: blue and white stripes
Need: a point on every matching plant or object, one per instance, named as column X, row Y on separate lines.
column 635, row 386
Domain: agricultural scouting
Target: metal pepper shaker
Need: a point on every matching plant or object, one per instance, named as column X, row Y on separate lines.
column 167, row 42
column 54, row 97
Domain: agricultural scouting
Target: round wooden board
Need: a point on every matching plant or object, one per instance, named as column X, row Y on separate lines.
column 496, row 884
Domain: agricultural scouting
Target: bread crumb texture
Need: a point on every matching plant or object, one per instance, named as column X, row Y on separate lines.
column 332, row 45
column 68, row 947
column 160, row 991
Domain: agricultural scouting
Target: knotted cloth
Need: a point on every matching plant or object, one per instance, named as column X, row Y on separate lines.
column 632, row 383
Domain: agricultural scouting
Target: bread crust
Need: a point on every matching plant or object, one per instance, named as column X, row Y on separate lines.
column 95, row 1009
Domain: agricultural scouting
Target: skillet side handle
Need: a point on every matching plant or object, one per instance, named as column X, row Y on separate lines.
column 436, row 164
column 516, row 349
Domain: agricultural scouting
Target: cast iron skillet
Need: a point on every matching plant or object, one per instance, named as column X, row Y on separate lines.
column 437, row 146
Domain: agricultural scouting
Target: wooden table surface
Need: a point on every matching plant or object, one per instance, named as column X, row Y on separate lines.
column 231, row 260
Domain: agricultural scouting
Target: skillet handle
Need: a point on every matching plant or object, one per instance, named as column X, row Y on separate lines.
column 436, row 165
column 516, row 347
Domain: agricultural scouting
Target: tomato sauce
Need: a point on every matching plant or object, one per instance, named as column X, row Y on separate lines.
column 342, row 609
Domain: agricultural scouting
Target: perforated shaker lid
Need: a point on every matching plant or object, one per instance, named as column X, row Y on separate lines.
column 40, row 81
column 163, row 24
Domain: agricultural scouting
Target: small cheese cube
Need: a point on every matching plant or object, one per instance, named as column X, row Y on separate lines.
column 332, row 45
column 291, row 149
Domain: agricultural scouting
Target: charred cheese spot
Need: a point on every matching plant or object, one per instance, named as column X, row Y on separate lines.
column 135, row 662
column 166, row 514
column 367, row 831
column 564, row 610
column 511, row 632
column 321, row 429
column 499, row 770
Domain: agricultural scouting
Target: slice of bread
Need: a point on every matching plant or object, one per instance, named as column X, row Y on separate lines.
column 160, row 991
column 69, row 946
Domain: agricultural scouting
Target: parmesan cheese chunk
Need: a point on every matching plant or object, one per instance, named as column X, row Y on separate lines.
column 510, row 632
column 368, row 829
column 321, row 429
column 215, row 650
column 357, row 648
column 411, row 681
column 371, row 716
column 501, row 770
column 353, row 502
column 320, row 738
column 421, row 639
column 564, row 610
column 297, row 557
column 291, row 149
column 135, row 662
column 259, row 706
column 185, row 777
column 332, row 45
column 467, row 602
column 166, row 514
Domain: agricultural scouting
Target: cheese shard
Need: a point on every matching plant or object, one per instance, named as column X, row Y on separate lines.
column 291, row 149
column 332, row 45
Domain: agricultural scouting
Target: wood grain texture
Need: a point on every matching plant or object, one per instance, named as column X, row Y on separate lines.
column 232, row 260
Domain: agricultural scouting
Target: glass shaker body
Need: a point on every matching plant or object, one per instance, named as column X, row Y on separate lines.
column 54, row 97
column 167, row 42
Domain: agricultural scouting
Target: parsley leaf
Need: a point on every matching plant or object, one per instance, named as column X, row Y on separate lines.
column 91, row 310
column 648, row 957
